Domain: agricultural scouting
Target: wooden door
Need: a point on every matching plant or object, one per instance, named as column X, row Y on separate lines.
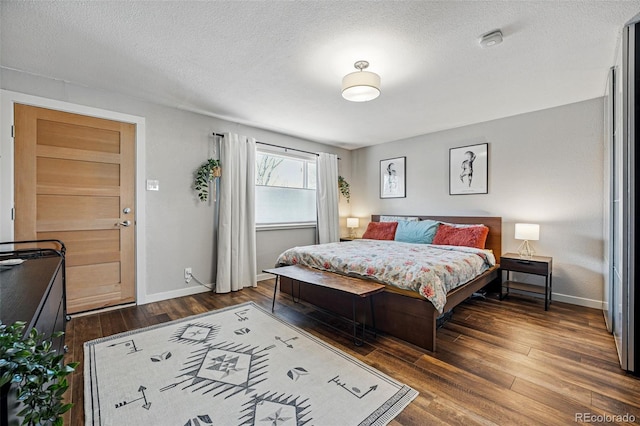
column 74, row 181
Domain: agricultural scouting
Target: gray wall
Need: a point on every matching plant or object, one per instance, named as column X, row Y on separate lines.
column 179, row 228
column 545, row 167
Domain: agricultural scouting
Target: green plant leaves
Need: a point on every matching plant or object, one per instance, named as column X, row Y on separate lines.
column 37, row 371
column 204, row 175
column 344, row 188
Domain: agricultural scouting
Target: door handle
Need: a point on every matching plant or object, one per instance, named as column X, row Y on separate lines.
column 125, row 223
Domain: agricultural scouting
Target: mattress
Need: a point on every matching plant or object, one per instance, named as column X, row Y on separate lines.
column 428, row 270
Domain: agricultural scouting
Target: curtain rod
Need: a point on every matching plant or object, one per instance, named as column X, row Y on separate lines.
column 279, row 146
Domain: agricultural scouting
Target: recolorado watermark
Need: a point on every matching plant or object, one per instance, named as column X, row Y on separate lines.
column 604, row 418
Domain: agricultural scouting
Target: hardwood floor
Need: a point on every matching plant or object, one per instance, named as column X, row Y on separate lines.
column 497, row 362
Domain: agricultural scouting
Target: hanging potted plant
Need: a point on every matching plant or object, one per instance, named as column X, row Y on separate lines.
column 37, row 372
column 343, row 186
column 206, row 173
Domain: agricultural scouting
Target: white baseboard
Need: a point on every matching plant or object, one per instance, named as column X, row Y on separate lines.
column 580, row 301
column 101, row 310
column 565, row 298
column 262, row 277
column 187, row 291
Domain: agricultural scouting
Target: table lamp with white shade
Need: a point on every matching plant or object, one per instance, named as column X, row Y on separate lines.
column 527, row 232
column 352, row 224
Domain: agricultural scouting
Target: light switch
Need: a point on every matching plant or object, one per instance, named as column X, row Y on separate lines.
column 153, row 185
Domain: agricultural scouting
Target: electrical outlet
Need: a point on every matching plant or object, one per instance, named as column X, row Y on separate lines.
column 187, row 275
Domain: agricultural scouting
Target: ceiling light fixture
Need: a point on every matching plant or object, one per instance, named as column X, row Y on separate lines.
column 491, row 39
column 361, row 86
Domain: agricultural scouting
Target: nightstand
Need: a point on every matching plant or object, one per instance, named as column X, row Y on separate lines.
column 536, row 265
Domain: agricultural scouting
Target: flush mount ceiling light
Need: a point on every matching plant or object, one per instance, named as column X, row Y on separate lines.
column 491, row 39
column 361, row 86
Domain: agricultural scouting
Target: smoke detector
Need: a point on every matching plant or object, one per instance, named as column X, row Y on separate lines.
column 491, row 39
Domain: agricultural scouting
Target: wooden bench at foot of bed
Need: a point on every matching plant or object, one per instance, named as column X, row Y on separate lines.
column 409, row 318
column 356, row 289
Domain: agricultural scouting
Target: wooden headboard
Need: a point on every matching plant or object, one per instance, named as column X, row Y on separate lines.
column 494, row 223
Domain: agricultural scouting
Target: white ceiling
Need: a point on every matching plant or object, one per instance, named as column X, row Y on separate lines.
column 278, row 65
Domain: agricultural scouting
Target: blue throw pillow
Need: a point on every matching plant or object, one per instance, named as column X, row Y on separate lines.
column 421, row 232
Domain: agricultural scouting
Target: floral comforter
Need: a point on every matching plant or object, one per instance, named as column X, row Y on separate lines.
column 430, row 270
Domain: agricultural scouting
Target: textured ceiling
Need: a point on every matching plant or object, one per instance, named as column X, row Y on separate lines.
column 278, row 65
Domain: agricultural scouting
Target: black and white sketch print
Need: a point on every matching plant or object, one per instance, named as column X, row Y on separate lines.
column 468, row 169
column 393, row 178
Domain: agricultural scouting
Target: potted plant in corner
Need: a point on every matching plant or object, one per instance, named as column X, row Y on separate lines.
column 206, row 173
column 36, row 370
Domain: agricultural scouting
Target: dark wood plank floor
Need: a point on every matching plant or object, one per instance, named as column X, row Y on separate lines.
column 498, row 362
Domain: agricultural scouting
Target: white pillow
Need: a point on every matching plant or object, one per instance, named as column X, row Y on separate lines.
column 462, row 225
column 397, row 218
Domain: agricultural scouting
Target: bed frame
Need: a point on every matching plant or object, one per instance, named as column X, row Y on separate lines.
column 397, row 312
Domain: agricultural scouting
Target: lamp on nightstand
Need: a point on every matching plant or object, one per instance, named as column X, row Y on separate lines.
column 352, row 224
column 527, row 232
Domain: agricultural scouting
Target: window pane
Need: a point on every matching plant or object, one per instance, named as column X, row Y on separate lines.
column 284, row 205
column 277, row 170
column 311, row 175
column 285, row 188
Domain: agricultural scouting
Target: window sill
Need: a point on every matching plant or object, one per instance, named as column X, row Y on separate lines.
column 281, row 226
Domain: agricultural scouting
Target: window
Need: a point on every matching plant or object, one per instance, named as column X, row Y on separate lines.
column 285, row 188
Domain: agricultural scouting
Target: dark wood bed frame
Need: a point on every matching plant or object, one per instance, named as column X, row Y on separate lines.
column 398, row 314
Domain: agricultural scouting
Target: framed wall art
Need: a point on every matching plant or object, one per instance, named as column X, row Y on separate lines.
column 468, row 169
column 393, row 178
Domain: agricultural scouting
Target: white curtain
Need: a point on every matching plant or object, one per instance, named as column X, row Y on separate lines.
column 327, row 198
column 237, row 225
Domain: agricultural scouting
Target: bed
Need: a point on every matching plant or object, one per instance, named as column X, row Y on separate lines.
column 408, row 313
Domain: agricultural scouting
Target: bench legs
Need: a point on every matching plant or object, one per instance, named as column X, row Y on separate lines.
column 353, row 303
column 355, row 323
column 275, row 290
column 373, row 317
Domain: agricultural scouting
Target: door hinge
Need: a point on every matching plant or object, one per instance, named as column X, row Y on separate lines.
column 13, row 131
column 13, row 213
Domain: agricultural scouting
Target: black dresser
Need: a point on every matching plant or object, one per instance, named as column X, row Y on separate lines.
column 34, row 292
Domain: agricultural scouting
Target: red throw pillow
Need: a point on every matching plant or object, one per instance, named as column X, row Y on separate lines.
column 380, row 231
column 470, row 236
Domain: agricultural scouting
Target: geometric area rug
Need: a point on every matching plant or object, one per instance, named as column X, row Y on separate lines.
column 235, row 366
